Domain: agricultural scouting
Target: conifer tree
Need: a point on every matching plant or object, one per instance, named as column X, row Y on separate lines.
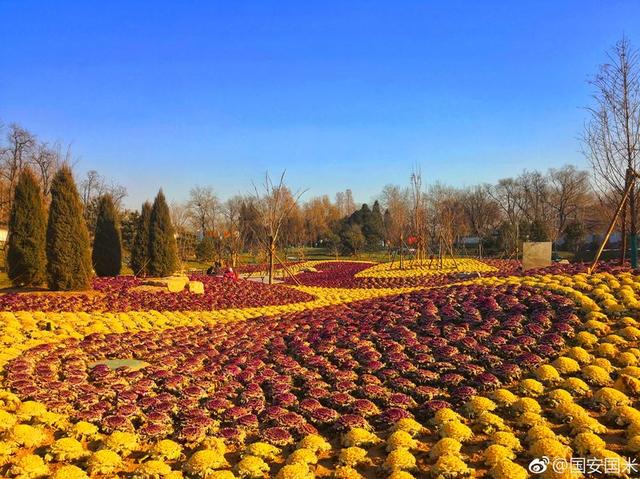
column 163, row 250
column 107, row 240
column 140, row 249
column 68, row 253
column 26, row 253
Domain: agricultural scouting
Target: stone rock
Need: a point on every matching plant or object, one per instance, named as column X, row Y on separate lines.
column 195, row 287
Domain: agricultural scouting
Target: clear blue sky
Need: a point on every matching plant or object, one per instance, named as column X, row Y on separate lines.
column 340, row 93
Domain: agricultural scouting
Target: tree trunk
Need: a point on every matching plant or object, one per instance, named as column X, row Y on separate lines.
column 623, row 249
column 271, row 255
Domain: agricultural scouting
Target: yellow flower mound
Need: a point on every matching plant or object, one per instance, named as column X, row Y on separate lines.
column 445, row 415
column 603, row 363
column 508, row 470
column 585, row 423
column 152, row 469
column 30, row 409
column 400, row 439
column 551, row 448
column 496, row 453
column 630, row 333
column 295, row 471
column 352, row 456
column 400, row 459
column 566, row 365
column 315, row 443
column 579, row 355
column 178, row 475
column 28, row 436
column 547, row 374
column 410, row 426
column 586, row 339
column 628, row 385
column 346, row 472
column 252, row 467
column 478, row 405
column 539, row 432
column 596, row 375
column 401, row 475
column 166, row 450
column 506, row 439
column 222, row 474
column 610, row 398
column 413, row 268
column 525, row 405
column 451, row 467
column 488, row 423
column 587, row 444
column 203, row 463
column 70, row 472
column 531, row 419
column 558, row 396
column 262, row 450
column 67, row 449
column 104, row 461
column 29, row 466
column 84, row 430
column 445, row 446
column 122, row 442
column 626, row 359
column 303, row 455
column 359, row 437
column 576, row 386
column 624, row 415
column 504, row 397
column 7, row 421
column 456, row 430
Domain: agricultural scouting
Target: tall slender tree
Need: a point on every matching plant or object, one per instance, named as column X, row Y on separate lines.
column 26, row 255
column 163, row 250
column 68, row 254
column 107, row 240
column 140, row 250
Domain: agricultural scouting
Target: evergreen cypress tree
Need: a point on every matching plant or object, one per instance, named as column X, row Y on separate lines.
column 68, row 254
column 26, row 255
column 140, row 250
column 376, row 227
column 163, row 250
column 107, row 240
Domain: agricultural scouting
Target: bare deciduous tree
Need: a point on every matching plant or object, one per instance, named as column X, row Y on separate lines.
column 203, row 206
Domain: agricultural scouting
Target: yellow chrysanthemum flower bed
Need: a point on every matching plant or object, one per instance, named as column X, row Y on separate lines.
column 426, row 268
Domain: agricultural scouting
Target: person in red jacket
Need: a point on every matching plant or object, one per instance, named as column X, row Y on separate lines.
column 230, row 274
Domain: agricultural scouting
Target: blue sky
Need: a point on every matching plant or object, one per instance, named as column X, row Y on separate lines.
column 341, row 94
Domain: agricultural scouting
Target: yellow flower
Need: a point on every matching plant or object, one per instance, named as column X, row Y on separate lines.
column 346, row 472
column 456, row 430
column 488, row 423
column 575, row 386
column 508, row 470
column 29, row 466
column 547, row 374
column 566, row 365
column 70, row 472
column 152, row 469
column 627, row 384
column 67, row 449
column 352, row 456
column 587, row 444
column 84, row 430
column 586, row 340
column 400, row 459
column 610, row 398
column 445, row 446
column 252, row 467
column 122, row 442
column 303, row 455
column 626, row 359
column 359, row 437
column 28, row 436
column 400, row 439
column 7, row 421
column 540, row 432
column 295, row 471
column 596, row 376
column 506, row 439
column 166, row 450
column 30, row 409
column 314, row 442
column 558, row 396
column 585, row 423
column 445, row 415
column 579, row 354
column 203, row 463
column 604, row 363
column 525, row 405
column 222, row 474
column 262, row 450
column 551, row 448
column 504, row 397
column 400, row 475
column 496, row 453
column 104, row 461
column 451, row 467
column 479, row 404
column 409, row 425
